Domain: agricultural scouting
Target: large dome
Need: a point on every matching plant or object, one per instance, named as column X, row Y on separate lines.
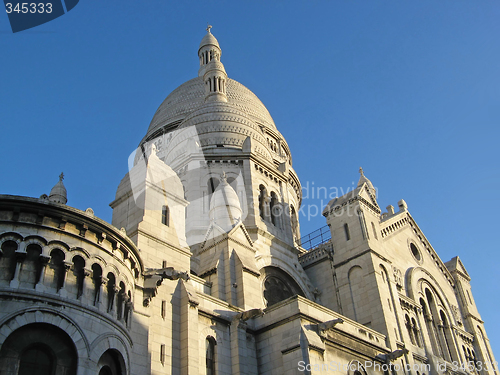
column 190, row 96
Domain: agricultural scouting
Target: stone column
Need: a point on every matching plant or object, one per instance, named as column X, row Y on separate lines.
column 62, row 291
column 417, row 334
column 40, row 284
column 239, row 353
column 100, row 301
column 121, row 307
column 20, row 256
column 267, row 208
column 129, row 307
column 444, row 344
column 431, row 334
column 113, row 308
column 87, row 284
column 189, row 334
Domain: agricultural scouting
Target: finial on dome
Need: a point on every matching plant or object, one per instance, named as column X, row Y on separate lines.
column 223, row 178
column 364, row 180
column 209, row 27
column 58, row 194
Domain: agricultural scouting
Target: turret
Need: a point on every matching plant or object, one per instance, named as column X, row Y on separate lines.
column 211, row 69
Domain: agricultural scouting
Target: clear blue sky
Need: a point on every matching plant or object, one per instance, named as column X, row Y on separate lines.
column 408, row 90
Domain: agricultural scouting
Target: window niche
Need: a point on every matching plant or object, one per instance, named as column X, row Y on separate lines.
column 165, row 216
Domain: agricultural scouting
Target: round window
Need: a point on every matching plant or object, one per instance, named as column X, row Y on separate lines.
column 415, row 252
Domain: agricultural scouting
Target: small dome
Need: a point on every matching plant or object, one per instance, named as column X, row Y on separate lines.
column 209, row 39
column 225, row 208
column 58, row 194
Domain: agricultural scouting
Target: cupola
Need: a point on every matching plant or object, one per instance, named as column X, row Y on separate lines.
column 58, row 193
column 211, row 69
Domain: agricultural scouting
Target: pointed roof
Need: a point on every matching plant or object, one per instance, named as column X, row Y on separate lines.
column 58, row 194
column 363, row 179
column 455, row 264
column 364, row 191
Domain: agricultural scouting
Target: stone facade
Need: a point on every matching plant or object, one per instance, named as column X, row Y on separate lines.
column 203, row 270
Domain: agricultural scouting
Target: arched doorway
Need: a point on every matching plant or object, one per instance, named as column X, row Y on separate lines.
column 38, row 348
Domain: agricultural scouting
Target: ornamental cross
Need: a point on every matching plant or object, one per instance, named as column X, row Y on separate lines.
column 361, row 171
column 61, row 176
column 208, row 27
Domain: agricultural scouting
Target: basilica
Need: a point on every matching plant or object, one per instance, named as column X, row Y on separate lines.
column 203, row 269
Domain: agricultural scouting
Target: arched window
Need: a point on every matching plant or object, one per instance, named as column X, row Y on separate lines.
column 78, row 271
column 409, row 329
column 295, row 223
column 447, row 335
column 429, row 325
column 57, row 268
column 210, row 355
column 30, row 271
column 347, row 233
column 416, row 332
column 97, row 281
column 165, row 215
column 438, row 327
column 262, row 201
column 8, row 260
column 470, row 298
column 275, row 209
column 374, row 231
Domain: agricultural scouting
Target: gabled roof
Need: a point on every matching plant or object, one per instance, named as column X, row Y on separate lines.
column 455, row 264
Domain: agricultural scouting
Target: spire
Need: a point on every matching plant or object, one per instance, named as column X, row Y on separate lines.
column 211, row 69
column 363, row 179
column 58, row 193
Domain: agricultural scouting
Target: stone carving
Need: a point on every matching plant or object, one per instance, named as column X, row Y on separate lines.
column 456, row 314
column 329, row 324
column 398, row 277
column 167, row 273
column 389, row 357
column 249, row 314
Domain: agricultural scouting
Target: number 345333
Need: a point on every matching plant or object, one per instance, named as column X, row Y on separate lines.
column 29, row 8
